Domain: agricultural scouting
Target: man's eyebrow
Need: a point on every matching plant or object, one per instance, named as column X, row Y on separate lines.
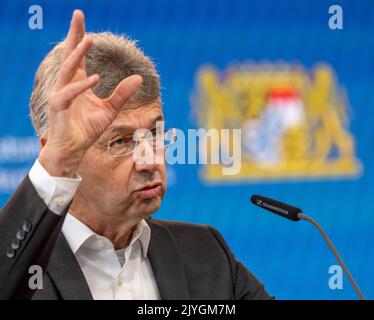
column 123, row 127
column 118, row 129
column 158, row 118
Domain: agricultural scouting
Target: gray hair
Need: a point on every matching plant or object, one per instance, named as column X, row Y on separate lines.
column 113, row 57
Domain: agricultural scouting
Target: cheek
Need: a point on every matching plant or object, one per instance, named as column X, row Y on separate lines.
column 106, row 177
column 118, row 177
column 164, row 180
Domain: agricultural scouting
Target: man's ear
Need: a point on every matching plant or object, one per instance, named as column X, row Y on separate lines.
column 42, row 141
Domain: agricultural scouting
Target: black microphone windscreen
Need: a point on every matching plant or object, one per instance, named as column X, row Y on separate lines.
column 276, row 207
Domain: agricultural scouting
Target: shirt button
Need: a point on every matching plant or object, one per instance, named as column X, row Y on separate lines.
column 100, row 243
column 59, row 201
column 119, row 281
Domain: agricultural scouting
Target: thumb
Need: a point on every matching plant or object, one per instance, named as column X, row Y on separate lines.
column 125, row 89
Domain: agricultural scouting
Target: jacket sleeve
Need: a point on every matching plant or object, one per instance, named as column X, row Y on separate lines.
column 28, row 232
column 245, row 285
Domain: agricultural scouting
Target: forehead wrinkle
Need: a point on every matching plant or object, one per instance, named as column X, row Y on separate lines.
column 119, row 128
column 134, row 106
column 139, row 114
column 128, row 127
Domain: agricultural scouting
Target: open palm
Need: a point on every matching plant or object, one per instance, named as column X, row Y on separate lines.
column 77, row 116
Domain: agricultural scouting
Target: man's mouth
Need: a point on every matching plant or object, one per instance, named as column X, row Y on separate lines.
column 150, row 191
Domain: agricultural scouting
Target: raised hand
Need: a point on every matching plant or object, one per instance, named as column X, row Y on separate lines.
column 77, row 117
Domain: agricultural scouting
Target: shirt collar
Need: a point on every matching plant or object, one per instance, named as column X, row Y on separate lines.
column 77, row 234
column 143, row 233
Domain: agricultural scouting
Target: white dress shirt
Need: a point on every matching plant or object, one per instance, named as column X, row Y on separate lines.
column 110, row 274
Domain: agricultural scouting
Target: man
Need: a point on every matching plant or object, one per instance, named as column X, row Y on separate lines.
column 83, row 212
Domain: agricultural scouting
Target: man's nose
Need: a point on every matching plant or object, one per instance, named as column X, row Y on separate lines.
column 146, row 157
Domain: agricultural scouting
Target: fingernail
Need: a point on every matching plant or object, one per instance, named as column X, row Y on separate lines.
column 95, row 77
column 140, row 77
column 76, row 11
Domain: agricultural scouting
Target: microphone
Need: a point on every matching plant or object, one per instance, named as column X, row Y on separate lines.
column 295, row 214
column 279, row 208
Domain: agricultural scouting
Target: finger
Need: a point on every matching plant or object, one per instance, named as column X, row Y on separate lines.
column 76, row 32
column 70, row 65
column 62, row 100
column 125, row 89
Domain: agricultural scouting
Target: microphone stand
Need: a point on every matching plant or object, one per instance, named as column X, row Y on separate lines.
column 334, row 251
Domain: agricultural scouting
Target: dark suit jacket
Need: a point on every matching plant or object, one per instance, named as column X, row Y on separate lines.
column 189, row 261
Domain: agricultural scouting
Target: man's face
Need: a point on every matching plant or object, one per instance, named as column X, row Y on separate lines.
column 122, row 187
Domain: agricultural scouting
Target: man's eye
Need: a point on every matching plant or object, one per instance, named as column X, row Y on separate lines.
column 156, row 132
column 120, row 142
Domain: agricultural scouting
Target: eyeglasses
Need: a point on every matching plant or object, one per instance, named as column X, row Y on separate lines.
column 157, row 139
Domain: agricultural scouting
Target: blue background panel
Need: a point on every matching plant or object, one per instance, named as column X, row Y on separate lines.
column 181, row 36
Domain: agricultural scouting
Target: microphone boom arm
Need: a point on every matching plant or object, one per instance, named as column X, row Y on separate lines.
column 334, row 251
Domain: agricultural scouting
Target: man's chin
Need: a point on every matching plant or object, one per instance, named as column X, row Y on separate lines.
column 149, row 206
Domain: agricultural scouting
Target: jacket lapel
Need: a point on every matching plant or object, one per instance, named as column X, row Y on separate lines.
column 166, row 263
column 163, row 254
column 66, row 273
